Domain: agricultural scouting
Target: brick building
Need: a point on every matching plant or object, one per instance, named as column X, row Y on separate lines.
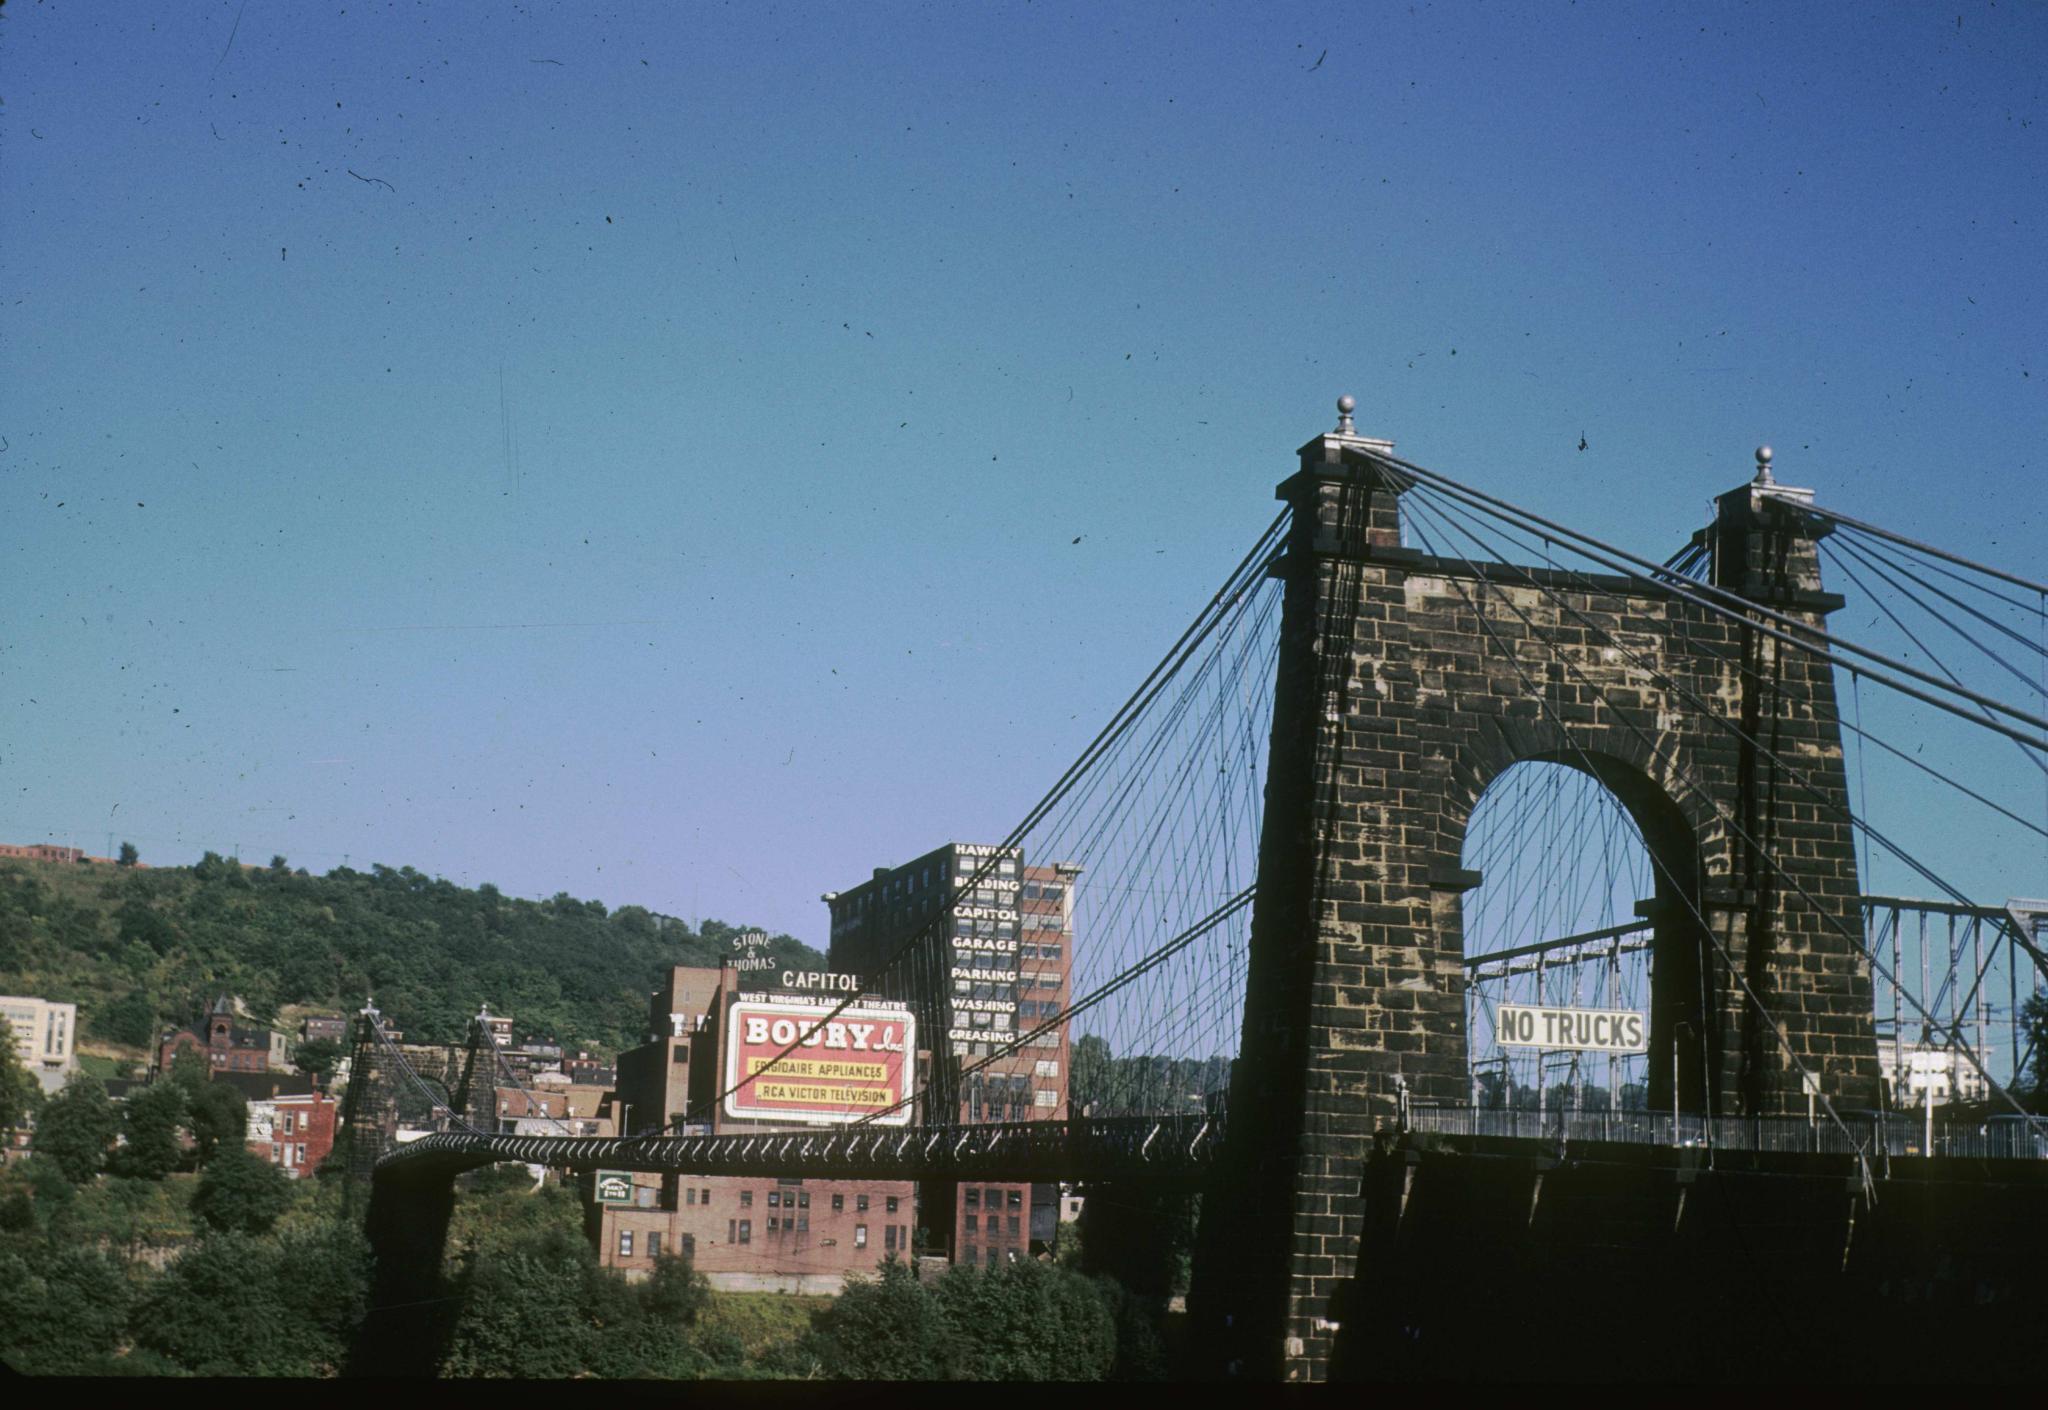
column 743, row 1233
column 327, row 1027
column 1009, row 953
column 226, row 1044
column 293, row 1131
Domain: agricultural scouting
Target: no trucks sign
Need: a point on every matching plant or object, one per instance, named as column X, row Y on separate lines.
column 843, row 1068
column 1579, row 1030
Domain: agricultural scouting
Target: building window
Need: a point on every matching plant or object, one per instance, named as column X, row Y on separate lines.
column 860, row 1204
column 654, row 1245
column 991, row 1253
column 974, row 1199
column 992, row 1198
column 746, row 1199
column 967, row 1255
column 892, row 1204
column 974, row 1223
column 625, row 1243
column 860, row 1236
column 889, row 1238
column 1016, row 1199
column 1046, row 1067
column 732, row 1232
column 803, row 1199
column 838, row 1203
column 803, row 1223
column 1045, row 1098
column 690, row 1195
column 1013, row 1226
column 775, row 1199
column 706, row 1198
column 746, row 1231
column 689, row 1245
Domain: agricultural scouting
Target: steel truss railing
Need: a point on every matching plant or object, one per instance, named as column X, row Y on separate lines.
column 1099, row 1148
column 1978, row 965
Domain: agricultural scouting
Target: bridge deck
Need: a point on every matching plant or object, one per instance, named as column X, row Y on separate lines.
column 1171, row 1148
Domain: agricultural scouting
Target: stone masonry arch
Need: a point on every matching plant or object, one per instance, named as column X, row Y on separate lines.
column 1406, row 684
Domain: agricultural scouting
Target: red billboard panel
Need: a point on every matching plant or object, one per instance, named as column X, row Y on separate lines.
column 844, row 1067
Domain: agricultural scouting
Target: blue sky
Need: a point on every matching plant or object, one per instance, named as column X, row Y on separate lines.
column 640, row 450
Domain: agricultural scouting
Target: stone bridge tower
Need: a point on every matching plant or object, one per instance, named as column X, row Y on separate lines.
column 1407, row 683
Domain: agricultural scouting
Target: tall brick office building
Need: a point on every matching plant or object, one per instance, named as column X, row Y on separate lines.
column 1009, row 952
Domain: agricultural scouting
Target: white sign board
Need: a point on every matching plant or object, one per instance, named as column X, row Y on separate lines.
column 1580, row 1030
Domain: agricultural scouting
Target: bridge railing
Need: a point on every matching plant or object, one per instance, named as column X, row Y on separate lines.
column 1897, row 1134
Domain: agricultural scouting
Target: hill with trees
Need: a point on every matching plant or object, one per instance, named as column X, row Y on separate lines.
column 139, row 948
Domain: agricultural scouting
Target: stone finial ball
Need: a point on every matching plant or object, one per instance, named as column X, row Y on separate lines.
column 1346, row 405
column 1763, row 455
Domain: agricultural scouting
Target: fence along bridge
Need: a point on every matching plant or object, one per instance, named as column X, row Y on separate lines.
column 1394, row 775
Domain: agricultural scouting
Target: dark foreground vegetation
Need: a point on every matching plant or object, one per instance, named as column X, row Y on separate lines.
column 231, row 1270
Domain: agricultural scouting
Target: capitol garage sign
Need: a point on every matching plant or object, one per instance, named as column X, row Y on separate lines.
column 614, row 1187
column 1577, row 1030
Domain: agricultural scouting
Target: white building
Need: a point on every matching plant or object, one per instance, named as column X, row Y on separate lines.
column 1914, row 1069
column 43, row 1034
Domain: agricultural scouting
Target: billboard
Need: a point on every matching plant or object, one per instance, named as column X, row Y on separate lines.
column 845, row 1067
column 1580, row 1030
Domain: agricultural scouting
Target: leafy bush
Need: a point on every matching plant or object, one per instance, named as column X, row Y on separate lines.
column 241, row 1192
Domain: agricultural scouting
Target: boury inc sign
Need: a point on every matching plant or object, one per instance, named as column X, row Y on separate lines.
column 797, row 1062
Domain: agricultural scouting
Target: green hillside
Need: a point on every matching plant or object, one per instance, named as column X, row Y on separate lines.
column 139, row 948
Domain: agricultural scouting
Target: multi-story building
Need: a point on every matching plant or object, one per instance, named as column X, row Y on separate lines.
column 293, row 1131
column 1914, row 1071
column 330, row 1027
column 43, row 1037
column 997, row 995
column 743, row 1233
column 223, row 1041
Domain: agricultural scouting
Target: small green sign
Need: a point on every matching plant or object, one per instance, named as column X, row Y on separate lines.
column 614, row 1187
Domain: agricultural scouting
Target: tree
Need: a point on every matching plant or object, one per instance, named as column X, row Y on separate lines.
column 62, row 1309
column 241, row 1192
column 151, row 1120
column 317, row 1056
column 1089, row 1073
column 129, row 856
column 20, row 1093
column 2034, row 1016
column 131, row 1019
column 1027, row 1321
column 323, row 1292
column 76, row 1128
column 522, row 1308
column 190, row 1071
column 219, row 1119
column 676, row 1292
column 890, row 1329
column 218, row 1310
